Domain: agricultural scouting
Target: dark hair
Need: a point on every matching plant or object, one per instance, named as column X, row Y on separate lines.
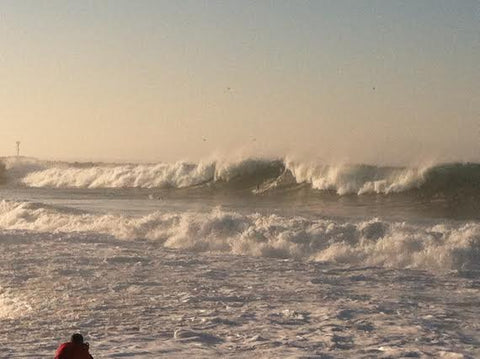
column 77, row 338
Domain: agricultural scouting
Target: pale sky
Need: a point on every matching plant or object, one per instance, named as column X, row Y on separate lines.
column 361, row 81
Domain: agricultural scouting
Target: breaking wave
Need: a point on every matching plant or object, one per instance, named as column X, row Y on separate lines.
column 257, row 175
column 436, row 247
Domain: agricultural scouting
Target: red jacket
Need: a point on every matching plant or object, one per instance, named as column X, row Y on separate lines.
column 73, row 351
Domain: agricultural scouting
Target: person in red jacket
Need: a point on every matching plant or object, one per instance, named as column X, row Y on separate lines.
column 74, row 349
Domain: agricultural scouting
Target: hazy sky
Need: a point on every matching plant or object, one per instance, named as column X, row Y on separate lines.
column 373, row 81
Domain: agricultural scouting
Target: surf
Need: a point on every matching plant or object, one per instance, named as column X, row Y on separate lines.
column 435, row 246
column 255, row 175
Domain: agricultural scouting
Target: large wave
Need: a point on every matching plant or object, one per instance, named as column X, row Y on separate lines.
column 257, row 175
column 436, row 247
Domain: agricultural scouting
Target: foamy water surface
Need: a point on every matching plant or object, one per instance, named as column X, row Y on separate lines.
column 250, row 258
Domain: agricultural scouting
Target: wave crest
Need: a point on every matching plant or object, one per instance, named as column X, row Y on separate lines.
column 257, row 175
column 356, row 179
column 178, row 175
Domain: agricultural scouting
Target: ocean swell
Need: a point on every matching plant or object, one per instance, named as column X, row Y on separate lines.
column 251, row 174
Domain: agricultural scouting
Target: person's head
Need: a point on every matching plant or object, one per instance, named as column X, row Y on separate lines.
column 77, row 338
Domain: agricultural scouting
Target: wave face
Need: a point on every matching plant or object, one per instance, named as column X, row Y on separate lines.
column 140, row 176
column 177, row 175
column 436, row 247
column 257, row 175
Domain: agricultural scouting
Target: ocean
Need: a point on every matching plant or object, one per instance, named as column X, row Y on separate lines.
column 252, row 257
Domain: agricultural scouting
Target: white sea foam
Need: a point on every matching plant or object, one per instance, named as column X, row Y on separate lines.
column 12, row 307
column 437, row 247
column 179, row 175
column 138, row 299
column 359, row 179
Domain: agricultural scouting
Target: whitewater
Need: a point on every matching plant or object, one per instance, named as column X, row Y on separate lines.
column 250, row 257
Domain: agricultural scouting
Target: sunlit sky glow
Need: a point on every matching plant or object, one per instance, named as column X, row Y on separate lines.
column 363, row 81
